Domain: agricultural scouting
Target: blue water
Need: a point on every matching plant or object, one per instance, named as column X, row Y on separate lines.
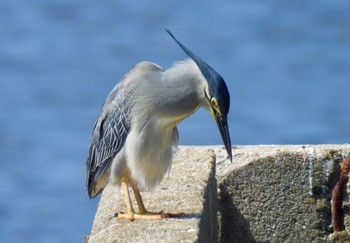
column 286, row 63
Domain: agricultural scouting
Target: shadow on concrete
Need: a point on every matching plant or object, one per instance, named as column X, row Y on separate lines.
column 190, row 216
column 233, row 226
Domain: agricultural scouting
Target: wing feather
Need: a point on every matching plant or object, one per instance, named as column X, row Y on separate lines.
column 108, row 136
column 113, row 125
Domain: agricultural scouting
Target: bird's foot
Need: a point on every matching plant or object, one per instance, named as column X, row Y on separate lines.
column 147, row 215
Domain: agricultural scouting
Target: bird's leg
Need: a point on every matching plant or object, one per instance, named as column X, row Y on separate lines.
column 131, row 215
column 130, row 210
column 141, row 206
column 127, row 198
column 143, row 213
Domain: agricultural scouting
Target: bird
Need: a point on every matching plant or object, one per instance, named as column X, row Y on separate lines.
column 135, row 134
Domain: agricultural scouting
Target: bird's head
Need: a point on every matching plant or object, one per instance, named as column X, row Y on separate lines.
column 217, row 95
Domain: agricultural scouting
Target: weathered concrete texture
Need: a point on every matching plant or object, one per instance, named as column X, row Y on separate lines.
column 279, row 193
column 267, row 194
column 190, row 188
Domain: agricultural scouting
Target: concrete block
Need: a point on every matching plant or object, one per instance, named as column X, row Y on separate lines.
column 267, row 194
column 189, row 188
column 279, row 193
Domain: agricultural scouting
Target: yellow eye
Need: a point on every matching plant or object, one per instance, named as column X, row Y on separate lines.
column 215, row 105
column 214, row 102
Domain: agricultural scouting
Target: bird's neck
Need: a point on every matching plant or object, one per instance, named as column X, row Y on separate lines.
column 166, row 100
column 183, row 87
column 185, row 74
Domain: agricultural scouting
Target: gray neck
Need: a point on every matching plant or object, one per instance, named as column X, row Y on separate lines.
column 184, row 87
column 168, row 97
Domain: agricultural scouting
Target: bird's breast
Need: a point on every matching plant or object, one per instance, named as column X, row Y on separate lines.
column 150, row 151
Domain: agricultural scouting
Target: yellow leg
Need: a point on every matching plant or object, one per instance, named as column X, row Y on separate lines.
column 130, row 209
column 143, row 213
column 141, row 206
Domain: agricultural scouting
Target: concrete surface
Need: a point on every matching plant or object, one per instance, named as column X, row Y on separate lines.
column 268, row 194
column 279, row 193
column 190, row 188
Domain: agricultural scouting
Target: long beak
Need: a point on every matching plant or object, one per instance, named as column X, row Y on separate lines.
column 225, row 134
